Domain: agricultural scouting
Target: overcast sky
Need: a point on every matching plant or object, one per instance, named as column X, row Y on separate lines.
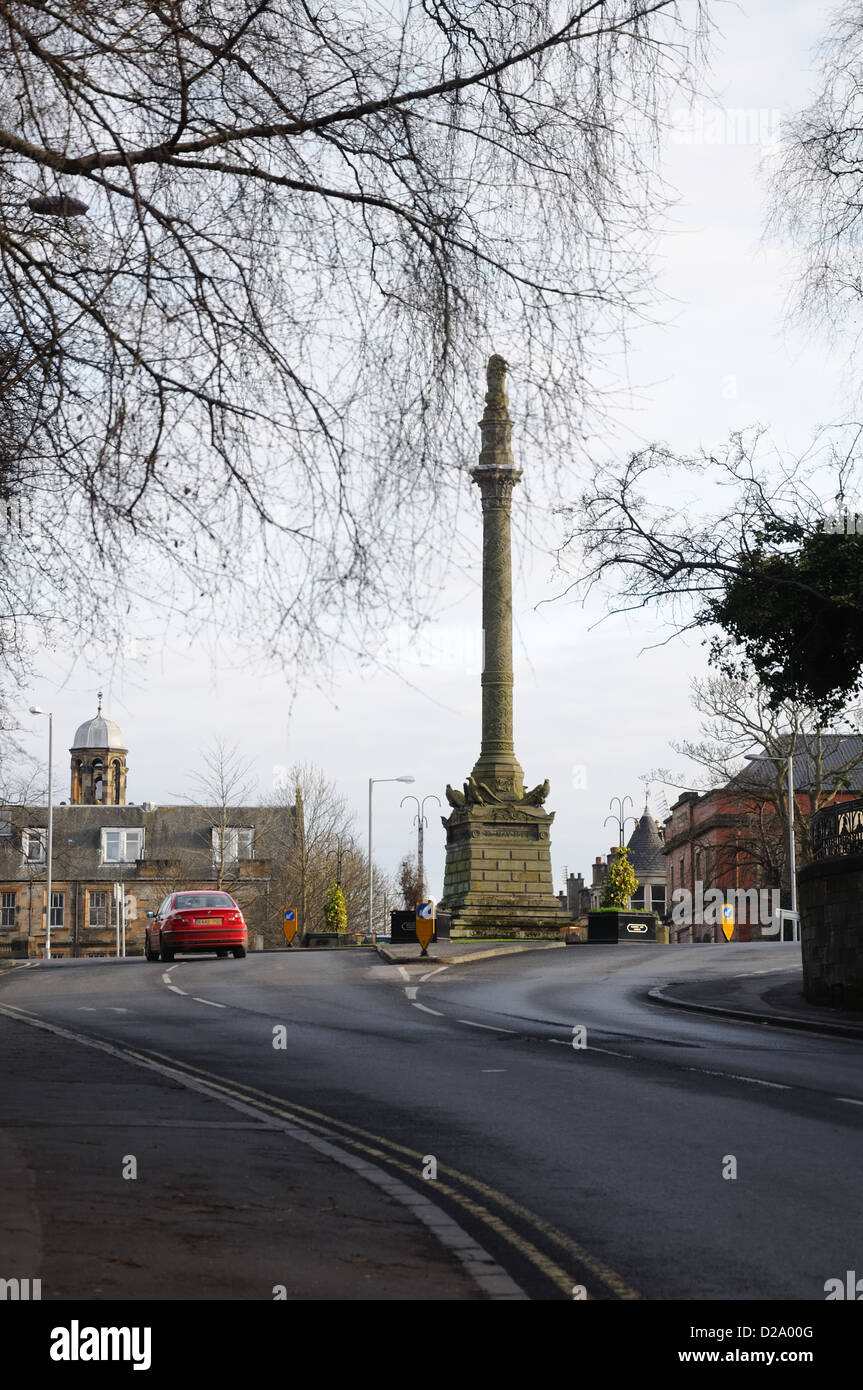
column 596, row 703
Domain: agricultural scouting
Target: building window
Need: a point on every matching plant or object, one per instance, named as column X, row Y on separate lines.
column 97, row 915
column 34, row 846
column 680, row 867
column 238, row 844
column 7, row 910
column 5, row 827
column 58, row 901
column 657, row 897
column 122, row 846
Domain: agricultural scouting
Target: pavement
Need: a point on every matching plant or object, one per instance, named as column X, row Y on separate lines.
column 123, row 1184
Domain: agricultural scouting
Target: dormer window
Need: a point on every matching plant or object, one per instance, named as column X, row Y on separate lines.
column 237, row 844
column 33, row 845
column 122, row 846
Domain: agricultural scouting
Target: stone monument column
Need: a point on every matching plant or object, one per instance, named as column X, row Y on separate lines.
column 496, row 475
column 498, row 859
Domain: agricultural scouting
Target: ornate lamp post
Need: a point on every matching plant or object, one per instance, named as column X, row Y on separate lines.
column 421, row 821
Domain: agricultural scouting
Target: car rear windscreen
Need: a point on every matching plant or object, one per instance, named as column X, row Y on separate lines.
column 186, row 901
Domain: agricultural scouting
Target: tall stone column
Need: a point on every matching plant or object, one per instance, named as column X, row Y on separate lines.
column 496, row 475
column 498, row 860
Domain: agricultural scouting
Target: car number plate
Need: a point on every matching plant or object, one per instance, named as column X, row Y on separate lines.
column 208, row 921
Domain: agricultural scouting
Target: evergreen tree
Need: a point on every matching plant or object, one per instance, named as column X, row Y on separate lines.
column 335, row 910
column 620, row 882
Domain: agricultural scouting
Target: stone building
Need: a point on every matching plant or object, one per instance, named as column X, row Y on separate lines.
column 648, row 861
column 100, row 841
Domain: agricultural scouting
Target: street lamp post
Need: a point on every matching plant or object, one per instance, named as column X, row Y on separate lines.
column 372, row 781
column 620, row 820
column 35, row 709
column 421, row 821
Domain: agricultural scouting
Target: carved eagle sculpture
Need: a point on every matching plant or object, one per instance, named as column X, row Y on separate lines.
column 538, row 794
column 453, row 797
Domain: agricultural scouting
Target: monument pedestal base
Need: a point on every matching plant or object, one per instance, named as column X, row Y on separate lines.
column 498, row 872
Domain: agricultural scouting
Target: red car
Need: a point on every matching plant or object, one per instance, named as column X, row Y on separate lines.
column 200, row 920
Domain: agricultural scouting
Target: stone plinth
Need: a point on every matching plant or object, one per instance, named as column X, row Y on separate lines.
column 498, row 871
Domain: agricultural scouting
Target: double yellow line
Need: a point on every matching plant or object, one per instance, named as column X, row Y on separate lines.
column 462, row 1189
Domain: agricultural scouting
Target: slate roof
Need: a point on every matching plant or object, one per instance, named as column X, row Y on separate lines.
column 170, row 833
column 839, row 754
column 645, row 848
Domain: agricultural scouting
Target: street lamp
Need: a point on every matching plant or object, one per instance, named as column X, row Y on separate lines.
column 35, row 709
column 620, row 819
column 372, row 781
column 421, row 821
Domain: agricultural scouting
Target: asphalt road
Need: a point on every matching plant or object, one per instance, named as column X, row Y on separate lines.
column 605, row 1166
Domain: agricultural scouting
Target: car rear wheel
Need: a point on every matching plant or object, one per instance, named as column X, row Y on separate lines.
column 164, row 951
column 239, row 952
column 149, row 953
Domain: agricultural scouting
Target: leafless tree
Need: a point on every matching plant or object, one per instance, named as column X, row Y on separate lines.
column 740, row 537
column 222, row 785
column 410, row 885
column 816, row 183
column 323, row 842
column 306, row 228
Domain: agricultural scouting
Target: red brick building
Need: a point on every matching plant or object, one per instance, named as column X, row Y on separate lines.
column 734, row 838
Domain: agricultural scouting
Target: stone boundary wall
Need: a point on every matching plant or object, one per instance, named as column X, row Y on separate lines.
column 830, row 898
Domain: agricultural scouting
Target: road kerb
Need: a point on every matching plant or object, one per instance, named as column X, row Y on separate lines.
column 657, row 995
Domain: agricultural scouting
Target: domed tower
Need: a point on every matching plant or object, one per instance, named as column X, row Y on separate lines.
column 98, row 763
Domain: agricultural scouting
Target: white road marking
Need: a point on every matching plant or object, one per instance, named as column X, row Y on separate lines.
column 436, row 1012
column 489, row 1027
column 404, row 973
column 436, row 971
column 411, row 991
column 177, row 990
column 736, row 1076
column 562, row 1042
column 487, row 1071
column 846, row 1100
column 212, row 1004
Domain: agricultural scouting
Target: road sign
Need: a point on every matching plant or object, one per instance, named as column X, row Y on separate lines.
column 728, row 921
column 424, row 924
column 290, row 924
